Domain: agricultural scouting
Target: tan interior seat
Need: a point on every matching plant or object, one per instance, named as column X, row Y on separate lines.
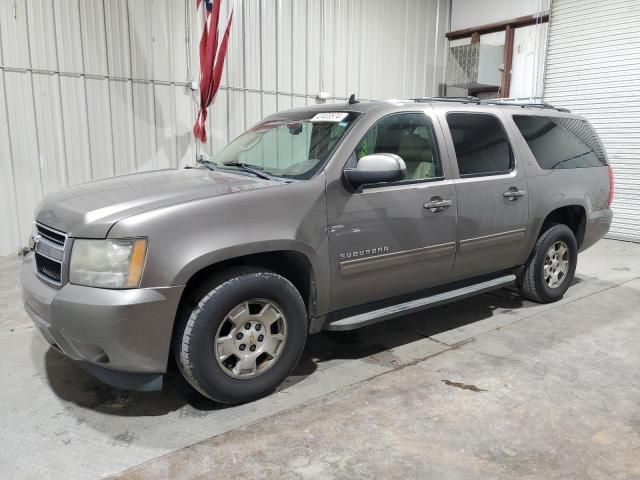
column 416, row 152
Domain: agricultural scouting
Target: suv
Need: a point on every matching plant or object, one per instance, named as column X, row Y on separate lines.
column 328, row 217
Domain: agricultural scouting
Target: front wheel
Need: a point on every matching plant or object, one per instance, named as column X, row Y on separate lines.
column 550, row 269
column 242, row 337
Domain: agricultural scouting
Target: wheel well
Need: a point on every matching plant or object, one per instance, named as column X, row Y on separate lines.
column 293, row 266
column 573, row 216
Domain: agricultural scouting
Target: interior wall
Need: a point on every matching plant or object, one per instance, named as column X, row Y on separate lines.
column 95, row 88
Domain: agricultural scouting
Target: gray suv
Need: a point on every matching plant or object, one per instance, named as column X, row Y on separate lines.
column 328, row 217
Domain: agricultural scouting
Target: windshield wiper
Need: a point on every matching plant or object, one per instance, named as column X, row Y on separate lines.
column 202, row 160
column 251, row 169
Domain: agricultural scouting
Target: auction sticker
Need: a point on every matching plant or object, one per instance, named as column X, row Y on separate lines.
column 329, row 117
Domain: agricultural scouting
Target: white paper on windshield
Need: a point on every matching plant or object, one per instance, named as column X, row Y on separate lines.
column 329, row 117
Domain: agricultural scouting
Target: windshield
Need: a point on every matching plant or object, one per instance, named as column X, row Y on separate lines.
column 295, row 146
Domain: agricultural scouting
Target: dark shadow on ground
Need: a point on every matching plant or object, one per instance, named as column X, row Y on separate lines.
column 71, row 383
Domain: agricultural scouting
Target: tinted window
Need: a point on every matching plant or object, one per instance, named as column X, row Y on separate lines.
column 558, row 142
column 409, row 135
column 481, row 144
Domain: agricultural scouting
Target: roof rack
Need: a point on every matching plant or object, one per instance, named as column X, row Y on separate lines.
column 468, row 99
column 479, row 101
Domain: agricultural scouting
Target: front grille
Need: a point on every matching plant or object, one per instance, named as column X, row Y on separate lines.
column 49, row 268
column 51, row 235
column 50, row 254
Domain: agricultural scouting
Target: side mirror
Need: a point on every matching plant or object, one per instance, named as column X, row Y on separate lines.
column 376, row 168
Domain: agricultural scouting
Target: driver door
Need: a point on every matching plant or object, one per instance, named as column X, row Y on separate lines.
column 384, row 239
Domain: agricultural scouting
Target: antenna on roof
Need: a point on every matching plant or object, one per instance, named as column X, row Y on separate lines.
column 352, row 99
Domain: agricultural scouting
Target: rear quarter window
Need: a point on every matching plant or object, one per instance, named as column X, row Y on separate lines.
column 558, row 142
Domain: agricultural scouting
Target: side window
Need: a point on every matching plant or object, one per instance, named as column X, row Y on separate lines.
column 558, row 142
column 481, row 144
column 409, row 135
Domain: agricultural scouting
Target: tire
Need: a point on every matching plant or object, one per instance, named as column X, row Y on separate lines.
column 203, row 321
column 534, row 281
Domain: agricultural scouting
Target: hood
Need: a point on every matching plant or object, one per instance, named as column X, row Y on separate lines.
column 89, row 210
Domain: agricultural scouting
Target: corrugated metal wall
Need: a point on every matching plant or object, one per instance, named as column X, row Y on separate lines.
column 95, row 88
column 593, row 68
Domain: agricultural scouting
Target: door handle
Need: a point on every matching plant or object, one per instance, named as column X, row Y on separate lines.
column 513, row 193
column 437, row 204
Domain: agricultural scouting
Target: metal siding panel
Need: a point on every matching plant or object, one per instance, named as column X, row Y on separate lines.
column 185, row 115
column 10, row 239
column 117, row 33
column 68, row 35
column 217, row 128
column 314, row 46
column 341, row 49
column 253, row 108
column 42, row 42
column 236, row 113
column 252, row 46
column 429, row 43
column 284, row 45
column 284, row 102
column 299, row 35
column 593, row 68
column 144, row 128
column 141, row 45
column 15, row 41
column 299, row 101
column 46, row 91
column 162, row 39
column 235, row 57
column 269, row 104
column 365, row 57
column 99, row 122
column 94, row 45
column 122, row 127
column 177, row 17
column 76, row 133
column 269, row 52
column 352, row 52
column 327, row 46
column 165, row 126
column 28, row 184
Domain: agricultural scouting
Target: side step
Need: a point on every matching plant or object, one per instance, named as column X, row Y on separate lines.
column 375, row 316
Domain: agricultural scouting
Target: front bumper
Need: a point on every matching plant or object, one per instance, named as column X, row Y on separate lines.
column 120, row 336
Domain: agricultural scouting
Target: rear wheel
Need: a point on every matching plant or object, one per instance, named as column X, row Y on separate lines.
column 550, row 269
column 243, row 336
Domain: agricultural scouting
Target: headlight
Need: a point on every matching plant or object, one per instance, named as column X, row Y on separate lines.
column 108, row 263
column 33, row 236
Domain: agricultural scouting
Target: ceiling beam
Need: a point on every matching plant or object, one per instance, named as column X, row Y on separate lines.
column 498, row 26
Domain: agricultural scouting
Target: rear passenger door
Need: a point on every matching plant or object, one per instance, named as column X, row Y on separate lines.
column 491, row 188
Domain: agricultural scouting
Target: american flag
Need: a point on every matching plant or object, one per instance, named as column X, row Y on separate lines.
column 212, row 55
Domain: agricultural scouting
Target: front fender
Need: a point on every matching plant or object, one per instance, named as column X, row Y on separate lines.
column 185, row 238
column 208, row 258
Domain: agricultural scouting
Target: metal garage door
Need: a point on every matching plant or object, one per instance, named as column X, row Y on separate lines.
column 593, row 68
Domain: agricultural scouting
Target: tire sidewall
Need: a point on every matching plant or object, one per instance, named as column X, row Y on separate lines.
column 205, row 373
column 553, row 235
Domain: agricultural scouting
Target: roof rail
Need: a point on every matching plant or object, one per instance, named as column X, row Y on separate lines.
column 467, row 99
column 479, row 101
column 525, row 104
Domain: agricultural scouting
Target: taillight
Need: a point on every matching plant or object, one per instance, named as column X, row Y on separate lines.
column 610, row 199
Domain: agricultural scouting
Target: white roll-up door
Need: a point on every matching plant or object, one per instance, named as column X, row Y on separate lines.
column 593, row 68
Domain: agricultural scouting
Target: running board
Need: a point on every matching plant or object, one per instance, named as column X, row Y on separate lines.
column 375, row 316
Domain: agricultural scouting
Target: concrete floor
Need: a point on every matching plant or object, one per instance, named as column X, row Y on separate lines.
column 490, row 387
